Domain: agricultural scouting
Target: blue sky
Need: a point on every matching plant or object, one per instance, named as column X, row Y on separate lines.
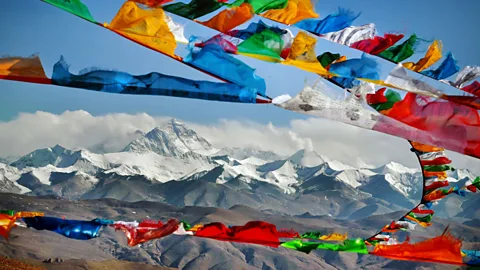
column 31, row 26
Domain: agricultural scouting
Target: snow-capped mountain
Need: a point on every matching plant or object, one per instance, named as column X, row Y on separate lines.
column 248, row 153
column 171, row 140
column 173, row 164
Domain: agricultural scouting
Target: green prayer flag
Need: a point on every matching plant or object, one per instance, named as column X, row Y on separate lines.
column 260, row 6
column 476, row 182
column 186, row 226
column 194, row 9
column 266, row 43
column 400, row 52
column 392, row 98
column 354, row 245
column 426, row 218
column 349, row 245
column 75, row 7
column 438, row 168
column 327, row 58
column 305, row 247
column 7, row 212
column 312, row 235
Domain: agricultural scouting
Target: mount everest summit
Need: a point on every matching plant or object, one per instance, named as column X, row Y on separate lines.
column 173, row 164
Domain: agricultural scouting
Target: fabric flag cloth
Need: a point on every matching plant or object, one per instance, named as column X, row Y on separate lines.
column 152, row 3
column 446, row 69
column 302, row 55
column 426, row 148
column 400, row 79
column 216, row 61
column 148, row 27
column 181, row 230
column 400, row 52
column 352, row 34
column 474, row 185
column 424, row 221
column 332, row 23
column 227, row 43
column 453, row 122
column 8, row 212
column 260, row 6
column 438, row 168
column 24, row 214
column 469, row 101
column 311, row 235
column 194, row 9
column 75, row 229
column 255, row 28
column 466, row 75
column 147, row 230
column 365, row 68
column 312, row 102
column 151, row 84
column 473, row 88
column 436, row 185
column 327, row 58
column 253, row 232
column 349, row 245
column 439, row 160
column 433, row 54
column 334, row 237
column 75, row 7
column 353, row 112
column 266, row 45
column 230, row 18
column 377, row 44
column 7, row 222
column 295, row 11
column 21, row 67
column 420, row 210
column 441, row 249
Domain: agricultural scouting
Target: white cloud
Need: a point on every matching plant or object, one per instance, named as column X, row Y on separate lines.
column 112, row 132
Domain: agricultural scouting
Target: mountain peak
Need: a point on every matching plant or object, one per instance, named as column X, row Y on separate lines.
column 306, row 158
column 397, row 167
column 58, row 148
column 173, row 139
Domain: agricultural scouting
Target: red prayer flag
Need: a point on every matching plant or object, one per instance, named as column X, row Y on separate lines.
column 377, row 44
column 254, row 232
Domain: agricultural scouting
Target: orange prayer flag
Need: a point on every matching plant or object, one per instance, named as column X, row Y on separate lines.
column 230, row 18
column 443, row 249
column 21, row 67
column 426, row 148
column 7, row 222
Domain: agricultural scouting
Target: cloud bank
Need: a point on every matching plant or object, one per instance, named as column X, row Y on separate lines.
column 112, row 132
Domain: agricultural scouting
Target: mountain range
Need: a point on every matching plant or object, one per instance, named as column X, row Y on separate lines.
column 175, row 165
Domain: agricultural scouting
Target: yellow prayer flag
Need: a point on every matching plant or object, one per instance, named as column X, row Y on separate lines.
column 302, row 55
column 433, row 54
column 146, row 26
column 334, row 237
column 196, row 227
column 29, row 214
column 295, row 11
